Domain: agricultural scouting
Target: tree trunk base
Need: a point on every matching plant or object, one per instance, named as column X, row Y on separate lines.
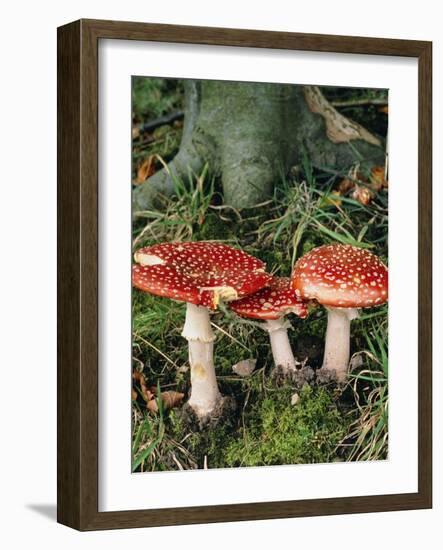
column 251, row 134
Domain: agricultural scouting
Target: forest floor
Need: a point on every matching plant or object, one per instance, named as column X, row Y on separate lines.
column 309, row 208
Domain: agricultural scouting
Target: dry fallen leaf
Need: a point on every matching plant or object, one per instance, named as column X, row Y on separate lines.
column 170, row 400
column 152, row 406
column 362, row 194
column 366, row 192
column 146, row 169
column 244, row 368
column 339, row 128
column 345, row 185
column 139, row 377
column 383, row 109
column 378, row 180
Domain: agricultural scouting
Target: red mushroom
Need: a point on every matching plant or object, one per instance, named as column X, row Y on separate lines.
column 271, row 305
column 201, row 274
column 343, row 278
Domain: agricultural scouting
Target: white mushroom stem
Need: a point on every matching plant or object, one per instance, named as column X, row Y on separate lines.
column 198, row 332
column 338, row 340
column 281, row 348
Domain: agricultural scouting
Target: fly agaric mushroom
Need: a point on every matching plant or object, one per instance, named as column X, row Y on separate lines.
column 342, row 278
column 271, row 304
column 200, row 274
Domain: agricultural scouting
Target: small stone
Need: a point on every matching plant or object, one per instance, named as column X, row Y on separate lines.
column 356, row 361
column 295, row 398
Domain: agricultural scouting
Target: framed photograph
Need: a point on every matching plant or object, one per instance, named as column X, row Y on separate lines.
column 230, row 203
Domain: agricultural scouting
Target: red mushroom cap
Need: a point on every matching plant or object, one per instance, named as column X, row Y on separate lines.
column 271, row 303
column 201, row 273
column 339, row 275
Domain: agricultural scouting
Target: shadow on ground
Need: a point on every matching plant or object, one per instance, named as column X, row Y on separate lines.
column 48, row 511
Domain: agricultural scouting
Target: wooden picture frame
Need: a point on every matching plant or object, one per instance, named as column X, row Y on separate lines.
column 78, row 274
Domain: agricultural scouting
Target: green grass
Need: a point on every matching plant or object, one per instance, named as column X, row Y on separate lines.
column 326, row 424
column 180, row 218
column 367, row 437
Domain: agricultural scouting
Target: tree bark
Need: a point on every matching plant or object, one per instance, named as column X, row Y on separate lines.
column 250, row 134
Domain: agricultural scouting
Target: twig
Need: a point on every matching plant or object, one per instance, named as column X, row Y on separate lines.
column 168, row 359
column 161, row 121
column 229, row 335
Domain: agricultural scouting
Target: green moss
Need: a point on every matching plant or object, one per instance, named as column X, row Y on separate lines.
column 277, row 432
column 277, row 261
column 154, row 97
column 214, row 227
column 206, row 445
